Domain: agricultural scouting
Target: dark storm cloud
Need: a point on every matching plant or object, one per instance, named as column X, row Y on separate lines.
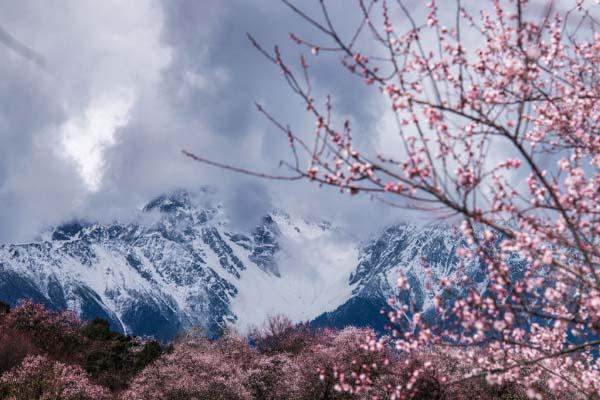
column 200, row 98
column 237, row 76
column 205, row 104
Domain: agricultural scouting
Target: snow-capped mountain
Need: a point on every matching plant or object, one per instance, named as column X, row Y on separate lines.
column 189, row 267
column 424, row 256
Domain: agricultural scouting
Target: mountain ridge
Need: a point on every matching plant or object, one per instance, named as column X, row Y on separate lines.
column 191, row 268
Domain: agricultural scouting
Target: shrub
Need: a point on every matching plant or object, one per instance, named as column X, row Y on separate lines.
column 280, row 335
column 14, row 347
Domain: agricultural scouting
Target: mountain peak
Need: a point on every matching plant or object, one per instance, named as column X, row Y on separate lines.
column 68, row 230
column 172, row 202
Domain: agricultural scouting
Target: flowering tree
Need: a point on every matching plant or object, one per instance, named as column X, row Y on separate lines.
column 38, row 377
column 196, row 369
column 496, row 112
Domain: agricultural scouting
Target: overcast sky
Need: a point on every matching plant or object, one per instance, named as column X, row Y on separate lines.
column 97, row 99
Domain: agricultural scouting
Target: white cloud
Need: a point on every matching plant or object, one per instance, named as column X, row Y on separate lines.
column 86, row 136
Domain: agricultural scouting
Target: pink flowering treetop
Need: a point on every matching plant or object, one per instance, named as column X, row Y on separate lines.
column 38, row 377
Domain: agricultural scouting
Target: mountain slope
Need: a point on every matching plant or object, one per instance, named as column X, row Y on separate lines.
column 184, row 265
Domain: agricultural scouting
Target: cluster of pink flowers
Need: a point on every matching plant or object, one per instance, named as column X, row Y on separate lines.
column 192, row 370
column 41, row 378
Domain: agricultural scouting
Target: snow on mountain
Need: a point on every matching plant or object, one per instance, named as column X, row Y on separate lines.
column 188, row 267
column 315, row 266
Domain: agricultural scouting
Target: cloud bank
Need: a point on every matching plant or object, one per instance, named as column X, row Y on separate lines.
column 126, row 86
